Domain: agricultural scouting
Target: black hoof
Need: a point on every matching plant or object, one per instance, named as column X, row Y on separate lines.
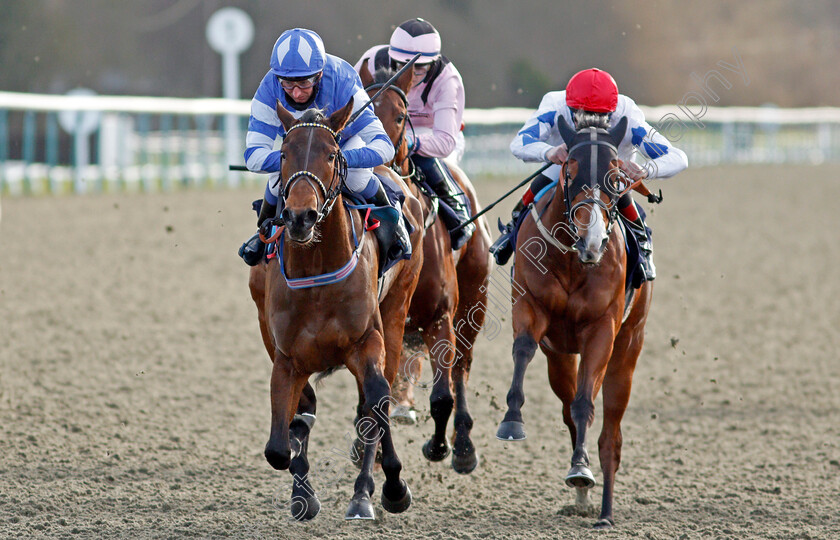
column 436, row 453
column 401, row 505
column 465, row 464
column 603, row 524
column 511, row 431
column 360, row 508
column 305, row 508
column 580, row 476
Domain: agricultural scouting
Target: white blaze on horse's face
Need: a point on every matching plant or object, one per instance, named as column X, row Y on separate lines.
column 592, row 230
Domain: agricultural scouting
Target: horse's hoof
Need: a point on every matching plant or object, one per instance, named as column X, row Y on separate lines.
column 395, row 507
column 403, row 414
column 360, row 508
column 580, row 477
column 511, row 431
column 465, row 464
column 603, row 524
column 436, row 453
column 305, row 508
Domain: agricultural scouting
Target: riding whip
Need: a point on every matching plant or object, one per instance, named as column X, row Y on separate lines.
column 500, row 199
column 385, row 86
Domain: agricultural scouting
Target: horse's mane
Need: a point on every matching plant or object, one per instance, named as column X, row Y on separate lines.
column 313, row 115
column 585, row 119
column 383, row 75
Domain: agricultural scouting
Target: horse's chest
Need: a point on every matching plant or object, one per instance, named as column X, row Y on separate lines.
column 322, row 328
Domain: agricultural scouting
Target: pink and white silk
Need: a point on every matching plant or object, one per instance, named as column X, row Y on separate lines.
column 437, row 123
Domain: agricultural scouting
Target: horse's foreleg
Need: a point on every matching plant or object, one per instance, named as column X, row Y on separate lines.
column 562, row 376
column 596, row 348
column 529, row 327
column 617, row 383
column 286, row 386
column 472, row 287
column 305, row 504
column 440, row 339
column 257, row 285
column 372, row 429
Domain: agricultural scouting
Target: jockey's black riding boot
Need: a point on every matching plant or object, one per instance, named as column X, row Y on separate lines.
column 441, row 181
column 503, row 247
column 640, row 231
column 253, row 250
column 380, row 198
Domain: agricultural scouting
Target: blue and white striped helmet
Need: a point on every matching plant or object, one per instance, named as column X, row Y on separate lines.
column 298, row 53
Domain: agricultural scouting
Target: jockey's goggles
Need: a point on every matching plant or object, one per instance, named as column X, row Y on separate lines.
column 418, row 68
column 303, row 83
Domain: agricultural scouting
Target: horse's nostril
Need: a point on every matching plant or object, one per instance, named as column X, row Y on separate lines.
column 310, row 217
column 287, row 215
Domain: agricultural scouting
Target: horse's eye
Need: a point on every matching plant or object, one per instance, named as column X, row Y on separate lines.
column 333, row 155
column 400, row 118
column 282, row 154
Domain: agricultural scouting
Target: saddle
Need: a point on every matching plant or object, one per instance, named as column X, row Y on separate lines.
column 386, row 219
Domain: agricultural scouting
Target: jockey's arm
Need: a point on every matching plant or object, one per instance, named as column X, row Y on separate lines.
column 659, row 158
column 447, row 100
column 264, row 128
column 378, row 147
column 530, row 143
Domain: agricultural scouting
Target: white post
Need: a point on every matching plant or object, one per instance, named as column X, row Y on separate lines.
column 229, row 32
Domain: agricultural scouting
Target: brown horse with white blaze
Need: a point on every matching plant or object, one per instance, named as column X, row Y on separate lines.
column 320, row 309
column 448, row 308
column 569, row 298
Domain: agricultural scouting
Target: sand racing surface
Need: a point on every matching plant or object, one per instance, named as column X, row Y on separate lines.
column 134, row 385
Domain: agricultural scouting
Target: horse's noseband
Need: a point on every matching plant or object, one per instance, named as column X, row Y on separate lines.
column 340, row 172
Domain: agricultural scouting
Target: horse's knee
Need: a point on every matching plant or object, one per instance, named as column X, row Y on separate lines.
column 441, row 405
column 582, row 411
column 524, row 347
column 279, row 458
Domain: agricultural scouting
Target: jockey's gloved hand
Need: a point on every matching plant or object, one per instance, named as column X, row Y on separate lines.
column 653, row 198
column 558, row 154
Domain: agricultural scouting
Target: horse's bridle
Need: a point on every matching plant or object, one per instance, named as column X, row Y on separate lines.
column 593, row 186
column 398, row 166
column 340, row 172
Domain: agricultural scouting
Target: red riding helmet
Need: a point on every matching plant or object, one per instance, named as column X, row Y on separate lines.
column 592, row 90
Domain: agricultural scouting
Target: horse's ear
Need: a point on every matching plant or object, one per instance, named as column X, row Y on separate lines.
column 566, row 131
column 285, row 116
column 364, row 74
column 337, row 119
column 404, row 82
column 617, row 132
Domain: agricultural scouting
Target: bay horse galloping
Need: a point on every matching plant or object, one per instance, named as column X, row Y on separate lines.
column 569, row 297
column 320, row 309
column 448, row 307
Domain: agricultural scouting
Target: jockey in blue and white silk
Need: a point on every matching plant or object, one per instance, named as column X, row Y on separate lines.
column 303, row 76
column 300, row 53
column 540, row 134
